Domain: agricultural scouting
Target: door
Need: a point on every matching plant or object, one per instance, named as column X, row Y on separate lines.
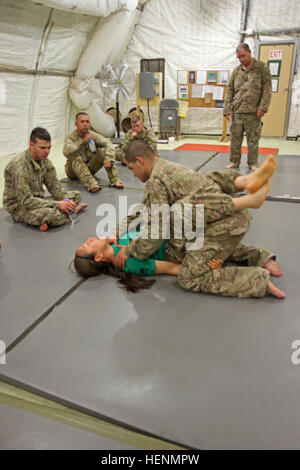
column 281, row 57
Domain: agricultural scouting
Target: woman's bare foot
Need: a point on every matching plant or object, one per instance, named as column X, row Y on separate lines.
column 95, row 188
column 260, row 176
column 119, row 185
column 272, row 290
column 254, row 181
column 232, row 165
column 257, row 199
column 43, row 227
column 81, row 207
column 272, row 267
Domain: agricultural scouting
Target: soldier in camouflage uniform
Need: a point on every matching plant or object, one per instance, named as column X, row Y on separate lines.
column 247, row 99
column 226, row 220
column 86, row 152
column 138, row 132
column 25, row 176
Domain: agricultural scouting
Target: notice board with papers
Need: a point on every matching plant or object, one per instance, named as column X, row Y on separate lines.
column 202, row 88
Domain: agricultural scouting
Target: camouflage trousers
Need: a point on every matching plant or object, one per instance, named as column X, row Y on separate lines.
column 76, row 168
column 120, row 155
column 251, row 125
column 50, row 215
column 232, row 281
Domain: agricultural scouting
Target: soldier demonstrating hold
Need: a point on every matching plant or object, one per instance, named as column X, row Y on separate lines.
column 247, row 100
column 226, row 221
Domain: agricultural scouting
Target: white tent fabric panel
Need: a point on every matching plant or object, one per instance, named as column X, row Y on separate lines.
column 66, row 38
column 101, row 8
column 273, row 14
column 14, row 113
column 21, row 25
column 50, row 104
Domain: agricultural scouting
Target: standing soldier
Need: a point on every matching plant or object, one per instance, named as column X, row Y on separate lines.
column 138, row 132
column 23, row 194
column 86, row 153
column 247, row 99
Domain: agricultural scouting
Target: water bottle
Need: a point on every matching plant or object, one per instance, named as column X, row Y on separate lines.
column 92, row 145
column 72, row 215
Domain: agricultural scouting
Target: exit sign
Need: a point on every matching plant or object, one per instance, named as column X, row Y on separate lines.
column 275, row 54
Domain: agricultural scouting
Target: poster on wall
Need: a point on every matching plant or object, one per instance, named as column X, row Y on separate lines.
column 182, row 76
column 223, row 77
column 196, row 91
column 275, row 85
column 211, row 77
column 274, row 67
column 192, row 77
column 183, row 92
column 201, row 77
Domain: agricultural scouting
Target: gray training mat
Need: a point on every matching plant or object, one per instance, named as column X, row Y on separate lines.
column 21, row 430
column 187, row 158
column 190, row 159
column 284, row 181
column 202, row 370
column 35, row 270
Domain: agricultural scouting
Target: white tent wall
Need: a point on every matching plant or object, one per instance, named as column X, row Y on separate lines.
column 35, row 36
column 193, row 34
column 189, row 34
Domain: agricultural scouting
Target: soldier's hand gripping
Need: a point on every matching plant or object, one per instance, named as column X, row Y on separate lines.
column 215, row 263
column 67, row 206
column 121, row 258
column 107, row 164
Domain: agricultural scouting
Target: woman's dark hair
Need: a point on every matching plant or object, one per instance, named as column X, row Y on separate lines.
column 88, row 267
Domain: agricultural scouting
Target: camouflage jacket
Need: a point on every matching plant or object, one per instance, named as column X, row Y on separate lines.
column 169, row 184
column 249, row 90
column 24, row 180
column 147, row 135
column 75, row 146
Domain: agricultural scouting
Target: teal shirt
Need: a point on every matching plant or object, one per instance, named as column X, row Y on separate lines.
column 144, row 267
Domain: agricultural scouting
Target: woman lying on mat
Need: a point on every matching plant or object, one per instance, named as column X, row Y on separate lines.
column 96, row 256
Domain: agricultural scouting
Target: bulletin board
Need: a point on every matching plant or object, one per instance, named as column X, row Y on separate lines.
column 202, row 88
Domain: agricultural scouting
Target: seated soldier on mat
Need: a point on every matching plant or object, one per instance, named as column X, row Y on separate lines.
column 194, row 268
column 86, row 153
column 25, row 176
column 138, row 132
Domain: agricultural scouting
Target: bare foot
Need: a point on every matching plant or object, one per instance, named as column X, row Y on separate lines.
column 119, row 185
column 260, row 175
column 43, row 227
column 81, row 207
column 95, row 188
column 258, row 198
column 232, row 165
column 271, row 289
column 272, row 267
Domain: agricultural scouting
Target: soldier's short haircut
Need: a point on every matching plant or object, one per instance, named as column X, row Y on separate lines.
column 40, row 133
column 135, row 119
column 138, row 148
column 80, row 112
column 243, row 45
